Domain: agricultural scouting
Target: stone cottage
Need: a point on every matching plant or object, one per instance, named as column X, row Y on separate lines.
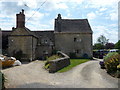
column 71, row 36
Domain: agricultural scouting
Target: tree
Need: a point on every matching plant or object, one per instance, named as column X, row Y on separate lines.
column 117, row 45
column 109, row 45
column 102, row 40
column 98, row 46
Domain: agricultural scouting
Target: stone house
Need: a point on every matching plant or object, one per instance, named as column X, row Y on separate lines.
column 68, row 36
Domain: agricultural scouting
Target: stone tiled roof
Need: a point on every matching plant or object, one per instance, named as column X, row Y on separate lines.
column 45, row 34
column 74, row 26
column 38, row 34
column 30, row 32
column 6, row 32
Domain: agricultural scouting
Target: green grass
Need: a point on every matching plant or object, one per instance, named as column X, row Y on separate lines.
column 74, row 62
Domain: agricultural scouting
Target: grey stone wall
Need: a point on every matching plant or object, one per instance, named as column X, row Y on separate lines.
column 45, row 44
column 42, row 51
column 79, row 43
column 26, row 44
column 60, row 63
column 34, row 47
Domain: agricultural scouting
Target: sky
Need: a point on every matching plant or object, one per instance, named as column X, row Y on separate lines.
column 40, row 14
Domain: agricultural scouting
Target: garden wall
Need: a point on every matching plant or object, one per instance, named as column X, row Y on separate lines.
column 60, row 63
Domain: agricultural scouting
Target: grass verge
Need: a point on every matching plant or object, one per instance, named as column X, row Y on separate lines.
column 73, row 63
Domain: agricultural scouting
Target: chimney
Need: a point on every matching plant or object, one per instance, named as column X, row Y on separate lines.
column 59, row 16
column 20, row 20
column 22, row 11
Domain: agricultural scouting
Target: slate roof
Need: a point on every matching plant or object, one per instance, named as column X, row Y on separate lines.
column 74, row 26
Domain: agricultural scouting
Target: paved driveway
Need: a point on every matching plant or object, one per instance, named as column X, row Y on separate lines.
column 33, row 75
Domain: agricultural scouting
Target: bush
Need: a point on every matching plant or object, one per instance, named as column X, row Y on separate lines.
column 85, row 56
column 2, row 80
column 111, row 61
column 72, row 55
column 54, row 51
column 53, row 57
column 110, row 55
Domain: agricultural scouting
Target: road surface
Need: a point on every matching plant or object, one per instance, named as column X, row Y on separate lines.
column 33, row 75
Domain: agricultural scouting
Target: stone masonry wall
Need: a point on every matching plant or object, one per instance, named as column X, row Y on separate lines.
column 21, row 43
column 78, row 43
column 60, row 63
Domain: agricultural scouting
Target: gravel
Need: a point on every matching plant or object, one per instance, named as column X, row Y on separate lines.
column 33, row 75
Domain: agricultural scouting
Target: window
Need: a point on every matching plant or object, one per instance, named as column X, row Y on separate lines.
column 77, row 51
column 46, row 41
column 75, row 39
column 45, row 52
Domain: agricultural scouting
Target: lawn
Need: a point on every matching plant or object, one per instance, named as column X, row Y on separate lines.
column 74, row 62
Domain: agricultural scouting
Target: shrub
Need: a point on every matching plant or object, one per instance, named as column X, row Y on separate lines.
column 110, row 55
column 54, row 51
column 72, row 55
column 85, row 56
column 111, row 61
column 53, row 57
column 2, row 80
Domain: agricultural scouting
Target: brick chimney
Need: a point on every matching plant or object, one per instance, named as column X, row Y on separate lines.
column 20, row 20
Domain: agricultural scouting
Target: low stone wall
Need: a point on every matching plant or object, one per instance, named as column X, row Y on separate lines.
column 60, row 63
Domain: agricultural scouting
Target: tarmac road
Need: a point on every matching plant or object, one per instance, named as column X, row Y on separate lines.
column 33, row 75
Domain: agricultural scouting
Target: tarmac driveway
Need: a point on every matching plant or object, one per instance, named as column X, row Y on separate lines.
column 33, row 75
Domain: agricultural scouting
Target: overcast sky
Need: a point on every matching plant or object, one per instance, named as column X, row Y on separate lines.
column 101, row 14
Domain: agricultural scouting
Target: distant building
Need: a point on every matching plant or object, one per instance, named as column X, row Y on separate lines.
column 119, row 20
column 70, row 36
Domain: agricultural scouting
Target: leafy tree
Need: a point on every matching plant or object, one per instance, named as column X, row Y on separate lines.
column 109, row 45
column 102, row 40
column 98, row 46
column 117, row 45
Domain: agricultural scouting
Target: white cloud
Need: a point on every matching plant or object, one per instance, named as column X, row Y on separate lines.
column 111, row 34
column 34, row 15
column 91, row 15
column 113, row 16
column 101, row 3
column 102, row 9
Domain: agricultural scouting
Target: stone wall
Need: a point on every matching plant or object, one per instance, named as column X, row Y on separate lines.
column 24, row 45
column 60, row 63
column 42, row 51
column 77, row 43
